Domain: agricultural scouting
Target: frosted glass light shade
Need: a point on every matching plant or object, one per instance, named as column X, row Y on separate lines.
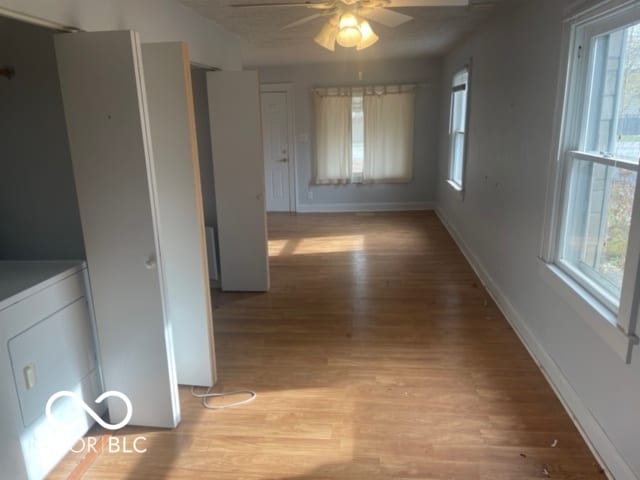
column 348, row 20
column 349, row 37
column 347, row 31
column 349, row 34
column 326, row 37
column 368, row 36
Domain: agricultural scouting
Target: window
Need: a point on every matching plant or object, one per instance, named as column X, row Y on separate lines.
column 458, row 127
column 594, row 240
column 364, row 135
column 601, row 159
column 357, row 137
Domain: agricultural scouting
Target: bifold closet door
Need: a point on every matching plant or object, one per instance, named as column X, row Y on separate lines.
column 238, row 169
column 105, row 107
column 175, row 153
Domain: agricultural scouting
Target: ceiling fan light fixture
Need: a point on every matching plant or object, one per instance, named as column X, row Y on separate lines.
column 326, row 37
column 349, row 34
column 348, row 20
column 368, row 36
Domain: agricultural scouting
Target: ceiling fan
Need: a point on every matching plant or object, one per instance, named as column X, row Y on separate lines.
column 347, row 24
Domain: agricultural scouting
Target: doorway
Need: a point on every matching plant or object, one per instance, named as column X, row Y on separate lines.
column 278, row 145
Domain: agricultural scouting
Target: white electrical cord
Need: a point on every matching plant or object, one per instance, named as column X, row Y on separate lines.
column 208, row 394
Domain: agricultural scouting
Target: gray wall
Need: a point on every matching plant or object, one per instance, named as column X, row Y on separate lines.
column 39, row 216
column 306, row 77
column 201, row 107
column 516, row 58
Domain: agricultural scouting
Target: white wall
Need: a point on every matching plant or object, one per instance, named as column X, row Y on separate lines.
column 155, row 20
column 39, row 216
column 419, row 192
column 516, row 61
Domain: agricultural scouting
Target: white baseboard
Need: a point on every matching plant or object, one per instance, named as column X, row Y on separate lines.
column 597, row 440
column 364, row 207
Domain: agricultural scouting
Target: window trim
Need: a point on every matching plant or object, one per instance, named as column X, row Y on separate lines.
column 586, row 275
column 589, row 308
column 617, row 329
column 459, row 187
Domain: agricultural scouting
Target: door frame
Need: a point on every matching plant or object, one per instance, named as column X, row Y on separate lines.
column 287, row 89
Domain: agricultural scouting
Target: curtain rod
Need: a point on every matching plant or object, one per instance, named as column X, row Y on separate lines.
column 374, row 85
column 373, row 89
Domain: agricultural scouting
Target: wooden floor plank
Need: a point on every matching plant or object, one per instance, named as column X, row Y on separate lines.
column 377, row 354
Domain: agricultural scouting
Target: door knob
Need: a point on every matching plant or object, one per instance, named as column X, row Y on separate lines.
column 283, row 160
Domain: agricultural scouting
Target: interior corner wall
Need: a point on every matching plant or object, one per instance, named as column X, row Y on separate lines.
column 499, row 223
column 203, row 132
column 155, row 21
column 420, row 192
column 39, row 217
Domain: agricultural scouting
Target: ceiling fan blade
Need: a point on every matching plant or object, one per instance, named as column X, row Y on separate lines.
column 388, row 18
column 428, row 3
column 282, row 4
column 304, row 20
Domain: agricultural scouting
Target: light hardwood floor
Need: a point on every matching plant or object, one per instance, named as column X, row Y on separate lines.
column 376, row 355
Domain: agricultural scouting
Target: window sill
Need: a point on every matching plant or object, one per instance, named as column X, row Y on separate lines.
column 457, row 188
column 590, row 309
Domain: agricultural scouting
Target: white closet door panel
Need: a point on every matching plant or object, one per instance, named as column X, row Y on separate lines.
column 238, row 168
column 105, row 108
column 175, row 155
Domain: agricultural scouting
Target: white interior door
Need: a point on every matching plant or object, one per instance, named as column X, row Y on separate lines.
column 105, row 107
column 275, row 135
column 238, row 170
column 175, row 153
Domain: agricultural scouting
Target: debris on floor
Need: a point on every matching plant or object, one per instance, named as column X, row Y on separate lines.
column 555, row 443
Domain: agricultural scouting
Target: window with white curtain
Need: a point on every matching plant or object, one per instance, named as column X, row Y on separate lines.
column 334, row 150
column 364, row 135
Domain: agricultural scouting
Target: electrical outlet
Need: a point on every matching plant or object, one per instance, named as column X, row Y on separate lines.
column 310, row 195
column 29, row 376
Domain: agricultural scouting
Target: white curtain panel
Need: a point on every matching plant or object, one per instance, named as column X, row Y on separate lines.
column 333, row 138
column 388, row 136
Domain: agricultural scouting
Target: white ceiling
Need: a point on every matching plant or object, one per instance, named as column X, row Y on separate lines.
column 432, row 32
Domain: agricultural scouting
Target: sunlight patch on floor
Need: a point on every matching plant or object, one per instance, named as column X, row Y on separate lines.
column 315, row 245
column 276, row 247
column 333, row 244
